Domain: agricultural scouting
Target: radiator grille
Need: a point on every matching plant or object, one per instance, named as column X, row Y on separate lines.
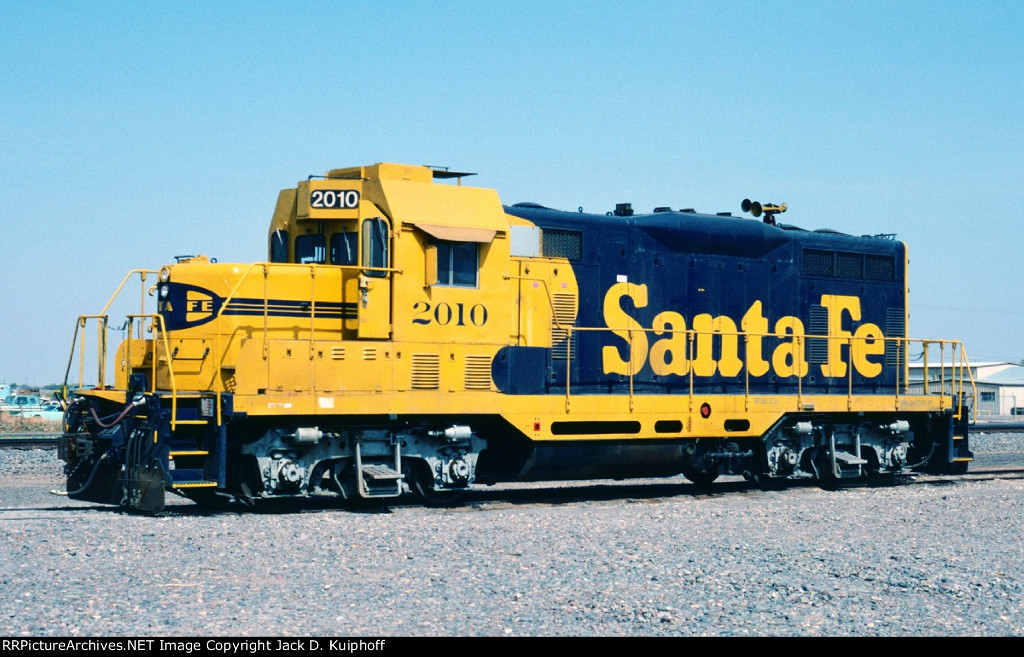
column 426, row 371
column 849, row 265
column 880, row 268
column 818, row 263
column 852, row 266
column 478, row 372
column 563, row 244
column 565, row 311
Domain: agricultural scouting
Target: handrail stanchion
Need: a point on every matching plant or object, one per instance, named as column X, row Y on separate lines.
column 266, row 314
column 690, row 338
column 568, row 362
column 630, row 370
column 849, row 372
column 312, row 321
column 942, row 374
column 899, row 369
column 142, row 300
column 746, row 372
column 924, row 365
column 81, row 356
column 799, row 373
column 101, row 350
column 156, row 336
column 128, row 353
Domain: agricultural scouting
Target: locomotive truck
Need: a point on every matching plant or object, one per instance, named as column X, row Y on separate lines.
column 410, row 334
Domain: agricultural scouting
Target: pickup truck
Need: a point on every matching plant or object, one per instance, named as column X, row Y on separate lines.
column 26, row 405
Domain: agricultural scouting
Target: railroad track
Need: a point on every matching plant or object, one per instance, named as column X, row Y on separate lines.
column 983, row 426
column 28, row 440
column 981, row 474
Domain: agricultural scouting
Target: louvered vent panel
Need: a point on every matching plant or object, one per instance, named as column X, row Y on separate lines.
column 565, row 312
column 478, row 372
column 369, row 353
column 895, row 327
column 338, row 353
column 817, row 348
column 426, row 371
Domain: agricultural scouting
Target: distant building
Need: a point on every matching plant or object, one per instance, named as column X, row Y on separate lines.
column 1000, row 386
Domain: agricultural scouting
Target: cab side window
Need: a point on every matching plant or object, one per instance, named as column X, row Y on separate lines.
column 279, row 246
column 311, row 249
column 457, row 263
column 343, row 248
column 375, row 246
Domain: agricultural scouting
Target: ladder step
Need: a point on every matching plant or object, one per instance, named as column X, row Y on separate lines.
column 191, row 421
column 381, row 473
column 194, row 484
column 963, row 459
column 849, row 459
column 197, row 452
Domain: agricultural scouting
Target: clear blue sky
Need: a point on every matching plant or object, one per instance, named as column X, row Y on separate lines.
column 132, row 132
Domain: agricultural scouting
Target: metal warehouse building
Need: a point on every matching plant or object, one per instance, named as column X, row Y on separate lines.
column 1000, row 386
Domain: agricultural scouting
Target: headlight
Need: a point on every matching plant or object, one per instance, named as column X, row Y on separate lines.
column 165, row 274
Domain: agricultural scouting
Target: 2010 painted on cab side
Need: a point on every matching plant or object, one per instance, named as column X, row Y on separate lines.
column 444, row 314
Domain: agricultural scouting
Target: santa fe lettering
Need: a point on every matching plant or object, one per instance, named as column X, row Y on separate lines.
column 672, row 355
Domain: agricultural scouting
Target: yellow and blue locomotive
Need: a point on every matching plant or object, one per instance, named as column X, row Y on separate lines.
column 409, row 333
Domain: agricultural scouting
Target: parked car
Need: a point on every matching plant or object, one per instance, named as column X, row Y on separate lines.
column 50, row 411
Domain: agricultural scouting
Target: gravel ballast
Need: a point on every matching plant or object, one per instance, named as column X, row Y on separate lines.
column 940, row 556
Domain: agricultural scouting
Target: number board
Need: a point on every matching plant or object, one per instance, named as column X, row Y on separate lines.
column 333, row 199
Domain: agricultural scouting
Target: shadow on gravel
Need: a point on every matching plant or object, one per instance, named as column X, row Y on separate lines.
column 483, row 499
column 514, row 495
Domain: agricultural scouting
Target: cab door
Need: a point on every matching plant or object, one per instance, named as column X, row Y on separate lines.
column 374, row 303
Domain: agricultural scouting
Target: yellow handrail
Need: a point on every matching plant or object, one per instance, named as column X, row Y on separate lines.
column 101, row 342
column 953, row 380
column 265, row 268
column 142, row 273
column 160, row 336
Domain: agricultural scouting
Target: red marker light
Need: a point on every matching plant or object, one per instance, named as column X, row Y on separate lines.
column 705, row 410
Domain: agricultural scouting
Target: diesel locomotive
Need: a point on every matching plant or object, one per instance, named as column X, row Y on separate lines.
column 410, row 334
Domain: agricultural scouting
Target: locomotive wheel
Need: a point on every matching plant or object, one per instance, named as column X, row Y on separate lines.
column 266, row 504
column 766, row 483
column 701, row 478
column 875, row 477
column 695, row 468
column 421, row 481
column 248, row 488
